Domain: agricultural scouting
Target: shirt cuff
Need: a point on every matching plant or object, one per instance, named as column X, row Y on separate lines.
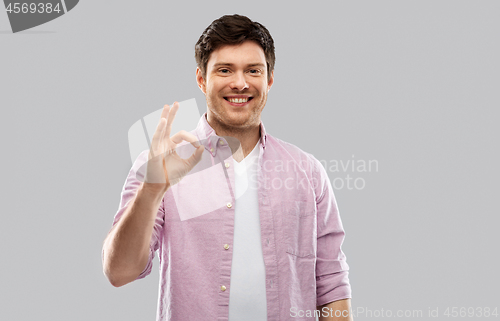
column 332, row 287
column 149, row 266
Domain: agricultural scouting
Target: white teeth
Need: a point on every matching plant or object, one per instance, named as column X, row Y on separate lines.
column 238, row 100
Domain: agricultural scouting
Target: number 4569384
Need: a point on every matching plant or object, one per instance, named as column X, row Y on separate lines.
column 32, row 8
column 485, row 312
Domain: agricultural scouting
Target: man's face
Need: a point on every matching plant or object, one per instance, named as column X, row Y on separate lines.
column 236, row 85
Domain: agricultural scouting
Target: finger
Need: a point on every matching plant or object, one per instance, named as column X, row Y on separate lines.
column 165, row 111
column 155, row 142
column 195, row 157
column 184, row 135
column 170, row 119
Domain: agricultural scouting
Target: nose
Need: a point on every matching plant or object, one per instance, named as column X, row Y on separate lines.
column 238, row 82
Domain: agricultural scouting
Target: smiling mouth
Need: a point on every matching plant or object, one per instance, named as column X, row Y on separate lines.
column 238, row 100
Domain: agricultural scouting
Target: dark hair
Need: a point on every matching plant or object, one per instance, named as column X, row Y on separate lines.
column 233, row 30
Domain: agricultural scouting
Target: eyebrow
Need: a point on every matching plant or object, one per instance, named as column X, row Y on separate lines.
column 220, row 64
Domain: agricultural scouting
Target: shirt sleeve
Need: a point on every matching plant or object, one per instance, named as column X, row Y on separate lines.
column 332, row 281
column 132, row 183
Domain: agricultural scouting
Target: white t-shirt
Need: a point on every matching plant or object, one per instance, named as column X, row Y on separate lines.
column 247, row 297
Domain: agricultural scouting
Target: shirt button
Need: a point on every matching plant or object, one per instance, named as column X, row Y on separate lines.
column 223, row 288
column 221, row 142
column 211, row 150
column 226, row 246
column 227, row 165
column 229, row 205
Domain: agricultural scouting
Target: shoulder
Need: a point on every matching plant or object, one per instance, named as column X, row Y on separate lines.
column 287, row 150
column 303, row 161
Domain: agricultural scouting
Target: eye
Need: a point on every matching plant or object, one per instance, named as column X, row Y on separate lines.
column 254, row 71
column 224, row 70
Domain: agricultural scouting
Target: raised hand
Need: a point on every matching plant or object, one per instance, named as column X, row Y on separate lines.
column 165, row 167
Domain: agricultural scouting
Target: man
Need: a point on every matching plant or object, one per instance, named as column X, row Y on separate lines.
column 232, row 245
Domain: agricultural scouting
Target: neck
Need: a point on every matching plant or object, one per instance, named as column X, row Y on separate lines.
column 245, row 141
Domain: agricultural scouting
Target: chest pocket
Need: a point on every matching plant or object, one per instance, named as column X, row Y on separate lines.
column 300, row 232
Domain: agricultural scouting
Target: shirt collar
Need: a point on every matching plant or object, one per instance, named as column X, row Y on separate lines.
column 206, row 135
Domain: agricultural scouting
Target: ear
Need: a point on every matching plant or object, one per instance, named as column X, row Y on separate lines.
column 201, row 81
column 271, row 81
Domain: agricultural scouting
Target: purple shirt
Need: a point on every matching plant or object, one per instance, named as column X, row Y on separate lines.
column 301, row 232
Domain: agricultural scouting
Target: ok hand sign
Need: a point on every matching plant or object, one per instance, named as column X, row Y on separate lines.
column 165, row 167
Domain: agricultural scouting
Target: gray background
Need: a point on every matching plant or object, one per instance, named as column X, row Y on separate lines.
column 411, row 84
